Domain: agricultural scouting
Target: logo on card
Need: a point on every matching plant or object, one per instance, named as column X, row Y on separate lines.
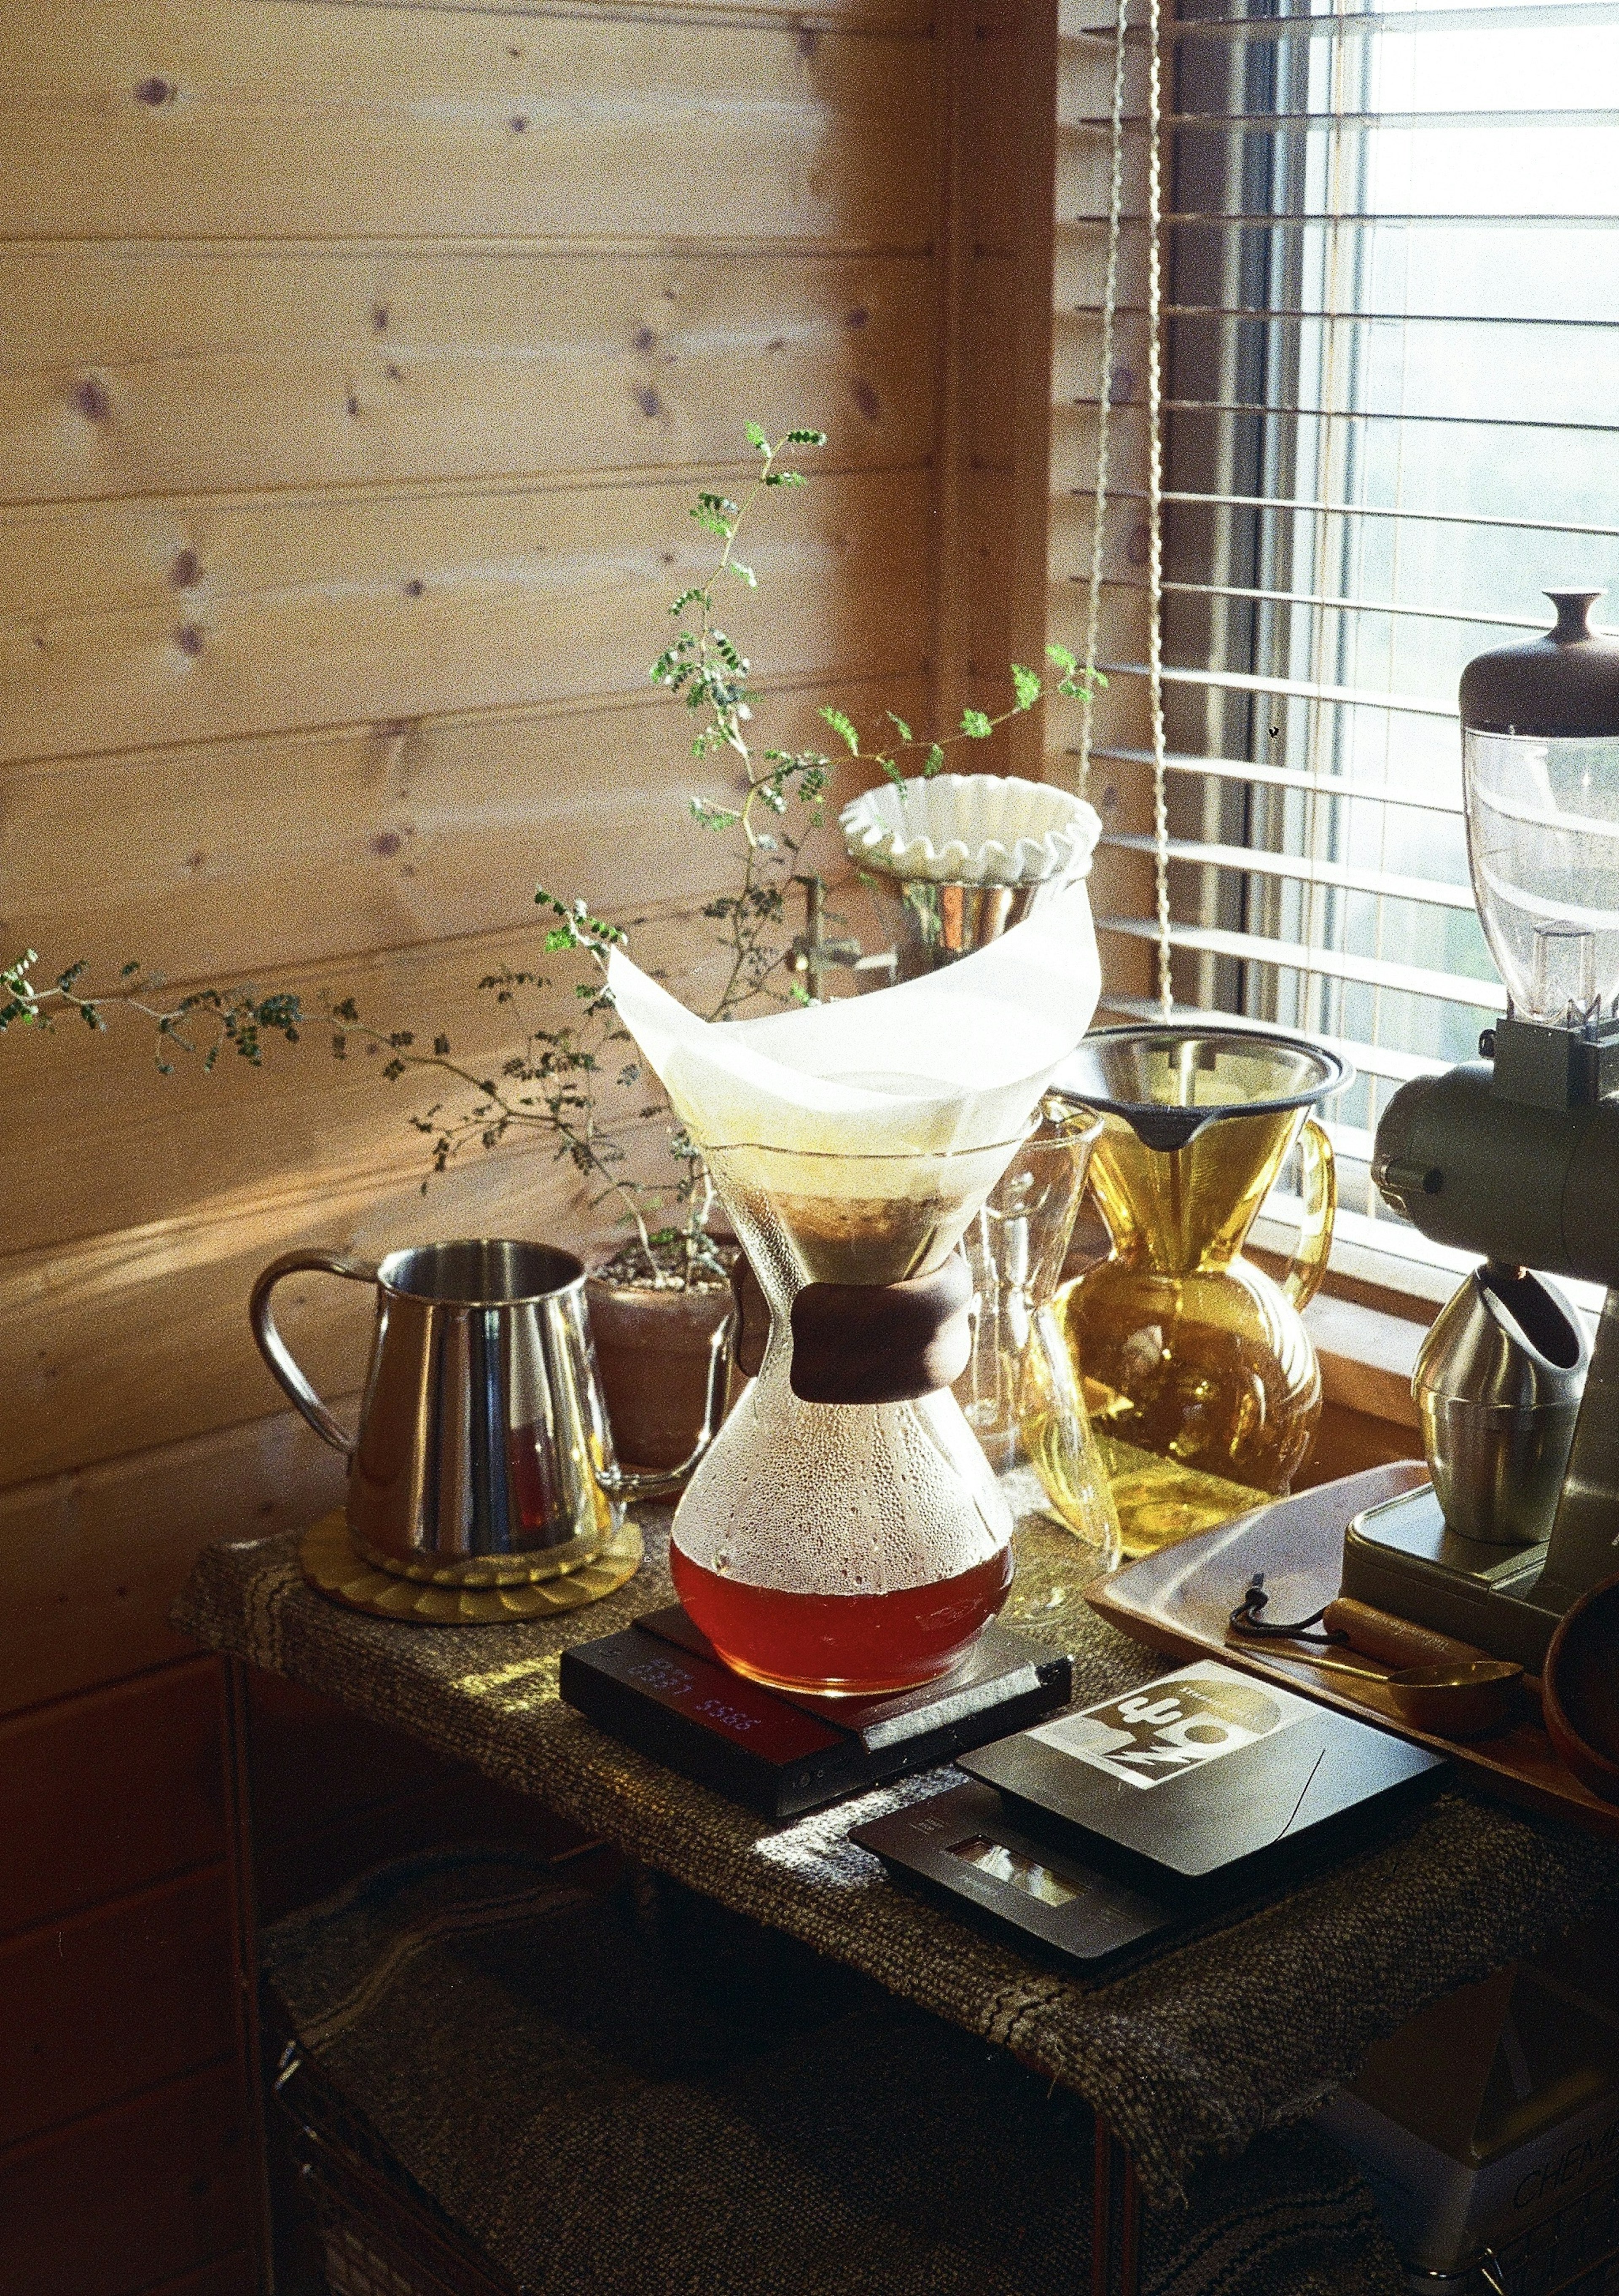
column 1168, row 1727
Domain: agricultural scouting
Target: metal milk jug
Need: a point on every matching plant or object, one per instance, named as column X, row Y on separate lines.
column 484, row 1456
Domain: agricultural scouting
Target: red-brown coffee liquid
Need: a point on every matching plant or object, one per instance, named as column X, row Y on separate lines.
column 856, row 1643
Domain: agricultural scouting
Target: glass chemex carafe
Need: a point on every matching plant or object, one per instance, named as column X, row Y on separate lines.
column 1203, row 1386
column 844, row 1531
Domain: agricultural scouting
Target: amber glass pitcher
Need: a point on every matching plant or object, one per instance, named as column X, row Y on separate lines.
column 1203, row 1383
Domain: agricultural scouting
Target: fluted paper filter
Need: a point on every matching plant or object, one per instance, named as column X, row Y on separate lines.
column 954, row 1061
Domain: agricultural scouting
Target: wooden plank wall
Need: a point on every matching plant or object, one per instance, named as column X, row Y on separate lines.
column 357, row 364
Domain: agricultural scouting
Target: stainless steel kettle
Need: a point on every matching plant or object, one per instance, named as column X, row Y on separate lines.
column 1498, row 1384
column 484, row 1456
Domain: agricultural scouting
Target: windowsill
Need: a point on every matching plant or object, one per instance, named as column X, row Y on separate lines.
column 1367, row 1357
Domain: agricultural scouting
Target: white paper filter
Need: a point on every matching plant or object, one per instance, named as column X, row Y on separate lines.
column 955, row 1061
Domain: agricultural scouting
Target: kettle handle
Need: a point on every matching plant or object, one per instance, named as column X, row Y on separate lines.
column 279, row 1357
column 1319, row 1194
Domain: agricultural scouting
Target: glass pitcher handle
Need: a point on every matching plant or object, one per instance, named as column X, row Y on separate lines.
column 1319, row 1196
column 662, row 1483
column 1057, row 1435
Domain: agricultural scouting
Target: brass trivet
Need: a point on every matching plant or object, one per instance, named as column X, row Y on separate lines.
column 333, row 1567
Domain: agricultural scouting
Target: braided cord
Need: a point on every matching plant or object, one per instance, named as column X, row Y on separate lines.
column 1154, row 491
column 1110, row 305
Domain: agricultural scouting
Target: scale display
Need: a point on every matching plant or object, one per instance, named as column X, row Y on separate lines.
column 1029, row 1874
column 966, row 1848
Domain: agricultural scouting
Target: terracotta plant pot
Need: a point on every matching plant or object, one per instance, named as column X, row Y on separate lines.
column 651, row 1350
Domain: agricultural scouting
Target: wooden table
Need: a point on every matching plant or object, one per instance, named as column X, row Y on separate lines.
column 1184, row 2060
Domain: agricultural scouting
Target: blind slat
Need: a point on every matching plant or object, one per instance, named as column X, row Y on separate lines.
column 1292, row 316
column 1372, row 123
column 1358, row 510
column 1332, row 963
column 1320, row 785
column 1375, row 219
column 1551, row 15
column 1289, row 689
column 1254, row 861
column 1283, row 407
column 1490, row 621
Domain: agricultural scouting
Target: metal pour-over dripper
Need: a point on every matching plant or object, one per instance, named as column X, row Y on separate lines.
column 954, row 862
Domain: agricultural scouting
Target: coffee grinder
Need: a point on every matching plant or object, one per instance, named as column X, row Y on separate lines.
column 1515, row 1155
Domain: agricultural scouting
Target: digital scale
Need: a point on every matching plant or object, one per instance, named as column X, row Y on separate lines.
column 1096, row 1833
column 659, row 1686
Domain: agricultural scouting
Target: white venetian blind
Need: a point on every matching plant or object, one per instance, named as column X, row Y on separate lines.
column 1390, row 361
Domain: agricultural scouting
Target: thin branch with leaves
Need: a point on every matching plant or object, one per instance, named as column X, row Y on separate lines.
column 204, row 1022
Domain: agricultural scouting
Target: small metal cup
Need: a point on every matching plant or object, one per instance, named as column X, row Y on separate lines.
column 934, row 922
column 1497, row 1385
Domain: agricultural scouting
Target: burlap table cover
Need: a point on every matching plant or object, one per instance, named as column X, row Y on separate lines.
column 1188, row 2057
column 642, row 2095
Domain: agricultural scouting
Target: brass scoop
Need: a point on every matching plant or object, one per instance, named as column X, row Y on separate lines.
column 1461, row 1698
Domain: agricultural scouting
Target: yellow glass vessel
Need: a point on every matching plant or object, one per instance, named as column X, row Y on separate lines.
column 1203, row 1383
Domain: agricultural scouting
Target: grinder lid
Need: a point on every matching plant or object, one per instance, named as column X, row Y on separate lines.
column 1564, row 685
column 1506, row 1340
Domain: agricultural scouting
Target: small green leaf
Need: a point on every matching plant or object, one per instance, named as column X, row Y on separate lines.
column 933, row 763
column 975, row 725
column 745, row 573
column 1065, row 660
column 904, row 730
column 806, row 439
column 843, row 726
column 756, row 438
column 1026, row 686
column 785, row 478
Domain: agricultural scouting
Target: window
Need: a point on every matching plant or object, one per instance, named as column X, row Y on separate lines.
column 1392, row 418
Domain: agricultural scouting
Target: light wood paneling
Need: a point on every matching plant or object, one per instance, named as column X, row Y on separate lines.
column 105, row 1794
column 138, row 369
column 124, row 623
column 104, row 2003
column 131, row 2197
column 186, row 120
column 141, row 1337
column 408, row 831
